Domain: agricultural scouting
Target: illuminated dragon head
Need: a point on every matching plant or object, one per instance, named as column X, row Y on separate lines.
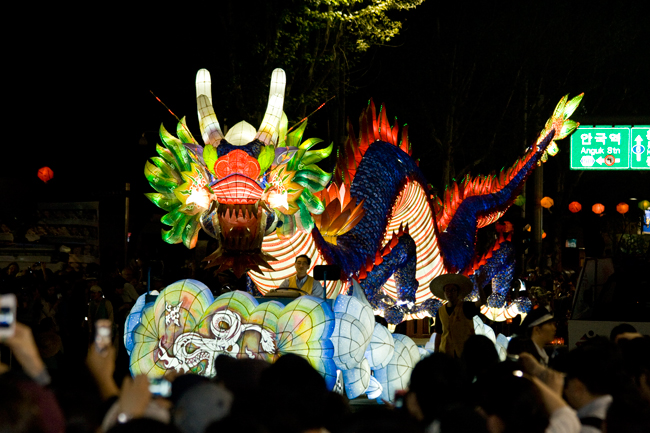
column 238, row 187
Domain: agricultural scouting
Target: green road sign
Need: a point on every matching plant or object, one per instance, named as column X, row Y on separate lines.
column 610, row 148
column 640, row 148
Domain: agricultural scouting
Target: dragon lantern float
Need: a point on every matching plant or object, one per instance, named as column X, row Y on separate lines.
column 260, row 193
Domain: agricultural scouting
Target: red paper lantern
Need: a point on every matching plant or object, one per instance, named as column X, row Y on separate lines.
column 598, row 208
column 622, row 208
column 547, row 202
column 575, row 207
column 45, row 174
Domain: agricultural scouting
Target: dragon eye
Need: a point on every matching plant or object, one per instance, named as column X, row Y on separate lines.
column 224, row 325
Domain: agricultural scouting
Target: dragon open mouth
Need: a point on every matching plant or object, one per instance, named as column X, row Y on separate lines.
column 241, row 217
column 241, row 226
column 239, row 213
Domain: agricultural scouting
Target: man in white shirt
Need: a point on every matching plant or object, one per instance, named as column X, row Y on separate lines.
column 301, row 281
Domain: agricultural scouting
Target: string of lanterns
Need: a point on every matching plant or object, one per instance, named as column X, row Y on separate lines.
column 46, row 174
column 599, row 208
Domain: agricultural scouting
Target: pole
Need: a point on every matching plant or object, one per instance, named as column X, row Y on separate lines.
column 126, row 223
column 526, row 144
column 537, row 214
column 522, row 256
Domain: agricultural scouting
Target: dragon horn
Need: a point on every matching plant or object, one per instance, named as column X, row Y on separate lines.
column 210, row 129
column 273, row 113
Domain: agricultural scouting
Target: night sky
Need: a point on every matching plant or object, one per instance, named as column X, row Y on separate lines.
column 79, row 89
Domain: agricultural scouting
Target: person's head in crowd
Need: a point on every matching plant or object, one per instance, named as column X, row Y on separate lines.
column 510, row 401
column 636, row 361
column 185, row 382
column 26, row 407
column 438, row 382
column 628, row 413
column 593, row 370
column 520, row 344
column 621, row 329
column 242, row 377
column 291, row 381
column 96, row 293
column 200, row 405
column 127, row 274
column 12, row 269
column 539, row 325
column 479, row 355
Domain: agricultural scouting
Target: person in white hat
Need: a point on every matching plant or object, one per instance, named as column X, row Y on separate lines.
column 540, row 326
column 454, row 323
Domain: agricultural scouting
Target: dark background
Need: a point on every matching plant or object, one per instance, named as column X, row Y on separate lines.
column 77, row 89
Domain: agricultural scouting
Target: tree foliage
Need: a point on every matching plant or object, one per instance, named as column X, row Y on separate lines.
column 366, row 21
column 316, row 42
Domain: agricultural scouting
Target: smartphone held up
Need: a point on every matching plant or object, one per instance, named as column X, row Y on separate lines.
column 160, row 387
column 103, row 335
column 8, row 305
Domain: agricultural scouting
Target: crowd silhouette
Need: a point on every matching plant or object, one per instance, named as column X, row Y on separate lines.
column 54, row 378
